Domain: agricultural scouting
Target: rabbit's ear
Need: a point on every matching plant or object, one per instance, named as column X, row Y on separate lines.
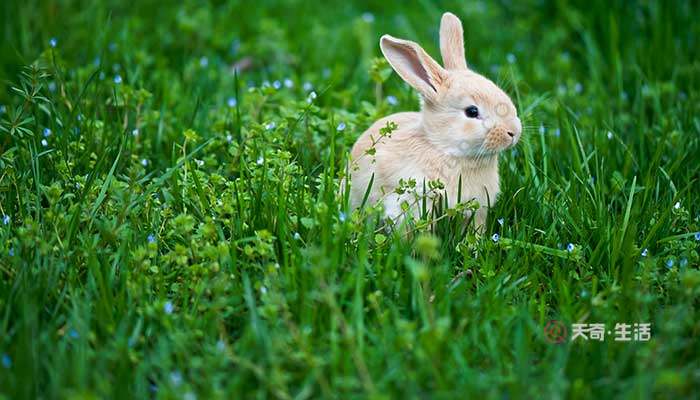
column 414, row 65
column 452, row 42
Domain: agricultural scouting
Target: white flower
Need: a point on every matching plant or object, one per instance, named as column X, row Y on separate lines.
column 229, row 138
column 44, row 142
column 263, row 290
column 53, row 42
column 199, row 162
column 260, row 160
column 144, row 162
column 297, row 236
column 135, row 132
column 501, row 221
column 645, row 252
column 312, row 97
column 610, row 135
column 5, row 219
column 677, row 205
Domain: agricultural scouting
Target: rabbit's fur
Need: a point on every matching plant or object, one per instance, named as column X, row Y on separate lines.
column 444, row 141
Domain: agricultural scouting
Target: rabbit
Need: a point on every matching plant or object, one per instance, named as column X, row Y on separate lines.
column 464, row 122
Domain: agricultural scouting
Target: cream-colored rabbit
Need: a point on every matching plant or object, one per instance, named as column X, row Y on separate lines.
column 465, row 121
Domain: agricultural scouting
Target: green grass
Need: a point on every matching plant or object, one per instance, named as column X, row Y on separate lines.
column 209, row 255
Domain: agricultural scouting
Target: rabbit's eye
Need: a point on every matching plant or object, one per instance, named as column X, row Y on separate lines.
column 472, row 112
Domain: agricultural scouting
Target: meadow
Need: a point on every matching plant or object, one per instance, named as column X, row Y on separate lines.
column 172, row 225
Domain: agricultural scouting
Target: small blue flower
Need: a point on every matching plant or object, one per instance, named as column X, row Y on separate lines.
column 496, row 237
column 231, row 102
column 297, row 236
column 11, row 252
column 168, row 307
column 270, row 126
column 117, row 79
column 570, row 247
column 220, row 345
column 52, row 87
column 73, row 334
column 3, row 109
column 368, row 17
column 203, row 62
column 229, row 138
column 610, row 135
column 578, row 88
column 645, row 252
column 307, row 86
column 510, row 57
column 557, row 132
column 342, row 217
column 6, row 361
column 135, row 132
column 288, row 83
column 277, row 85
column 683, row 263
column 340, row 127
column 6, row 219
column 392, row 100
column 151, row 238
column 677, row 205
column 697, row 235
column 47, row 132
column 53, row 42
column 500, row 221
column 176, row 378
column 144, row 162
column 542, row 129
column 260, row 160
column 669, row 263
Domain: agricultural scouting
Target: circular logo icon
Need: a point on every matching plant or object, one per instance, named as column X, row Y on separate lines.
column 502, row 110
column 555, row 332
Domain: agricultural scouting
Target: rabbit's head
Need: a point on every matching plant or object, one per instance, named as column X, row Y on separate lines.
column 464, row 114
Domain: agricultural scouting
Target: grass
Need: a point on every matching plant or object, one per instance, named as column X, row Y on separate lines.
column 179, row 232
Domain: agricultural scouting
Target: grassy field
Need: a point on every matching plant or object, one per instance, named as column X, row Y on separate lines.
column 173, row 230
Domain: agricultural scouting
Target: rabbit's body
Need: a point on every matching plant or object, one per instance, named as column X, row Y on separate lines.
column 408, row 154
column 465, row 121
